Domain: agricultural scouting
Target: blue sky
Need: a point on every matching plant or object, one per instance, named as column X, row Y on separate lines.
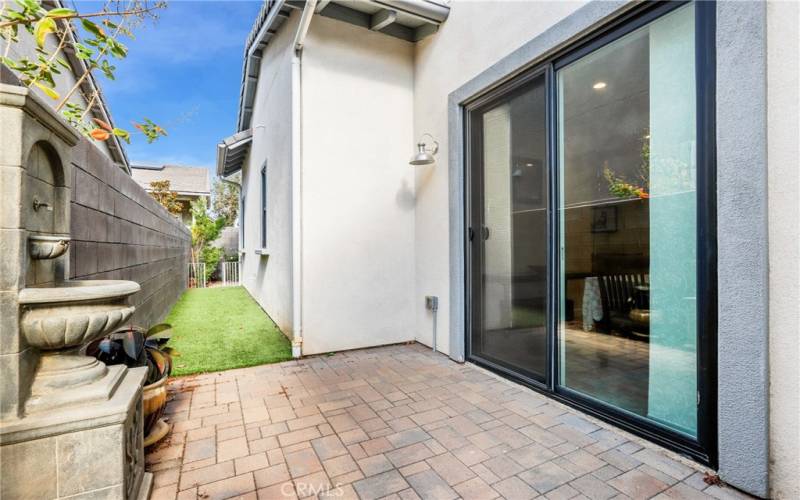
column 184, row 73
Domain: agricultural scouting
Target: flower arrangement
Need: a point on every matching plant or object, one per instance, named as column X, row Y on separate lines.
column 622, row 188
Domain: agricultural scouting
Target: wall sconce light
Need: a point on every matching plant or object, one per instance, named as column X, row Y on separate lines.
column 424, row 154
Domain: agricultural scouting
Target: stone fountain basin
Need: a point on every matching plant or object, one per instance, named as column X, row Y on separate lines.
column 73, row 313
column 47, row 247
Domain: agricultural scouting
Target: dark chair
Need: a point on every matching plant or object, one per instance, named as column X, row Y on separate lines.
column 620, row 295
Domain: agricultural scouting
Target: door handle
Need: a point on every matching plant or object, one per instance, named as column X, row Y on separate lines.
column 485, row 233
column 470, row 233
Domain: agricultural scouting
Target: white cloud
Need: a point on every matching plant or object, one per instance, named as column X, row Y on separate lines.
column 193, row 32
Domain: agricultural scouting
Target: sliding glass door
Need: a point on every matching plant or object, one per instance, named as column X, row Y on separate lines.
column 591, row 242
column 510, row 230
column 627, row 164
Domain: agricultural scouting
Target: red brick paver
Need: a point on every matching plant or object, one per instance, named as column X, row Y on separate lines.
column 399, row 422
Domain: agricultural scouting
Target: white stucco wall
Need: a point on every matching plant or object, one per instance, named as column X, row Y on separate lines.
column 783, row 109
column 375, row 230
column 475, row 36
column 358, row 188
column 268, row 277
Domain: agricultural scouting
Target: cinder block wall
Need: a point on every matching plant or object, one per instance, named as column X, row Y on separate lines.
column 120, row 232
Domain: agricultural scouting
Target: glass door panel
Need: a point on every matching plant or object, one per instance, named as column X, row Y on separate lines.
column 628, row 223
column 509, row 223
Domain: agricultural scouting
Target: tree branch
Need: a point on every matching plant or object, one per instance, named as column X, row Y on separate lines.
column 89, row 106
column 89, row 68
column 31, row 20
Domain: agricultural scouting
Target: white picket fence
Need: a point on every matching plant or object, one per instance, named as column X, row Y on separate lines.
column 197, row 275
column 228, row 274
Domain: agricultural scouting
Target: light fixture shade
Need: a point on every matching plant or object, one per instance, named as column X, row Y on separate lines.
column 424, row 156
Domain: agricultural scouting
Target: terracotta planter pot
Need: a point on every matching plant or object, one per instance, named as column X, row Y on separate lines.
column 155, row 400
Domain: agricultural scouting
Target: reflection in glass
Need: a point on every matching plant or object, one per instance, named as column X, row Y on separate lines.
column 513, row 236
column 627, row 214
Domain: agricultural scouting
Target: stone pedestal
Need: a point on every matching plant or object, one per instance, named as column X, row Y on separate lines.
column 70, row 427
column 85, row 451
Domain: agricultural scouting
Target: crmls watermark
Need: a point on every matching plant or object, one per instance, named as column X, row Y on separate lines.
column 311, row 489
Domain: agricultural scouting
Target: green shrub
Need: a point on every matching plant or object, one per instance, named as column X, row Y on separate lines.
column 211, row 257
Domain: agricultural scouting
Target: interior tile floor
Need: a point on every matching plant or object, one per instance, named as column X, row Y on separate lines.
column 609, row 367
column 398, row 422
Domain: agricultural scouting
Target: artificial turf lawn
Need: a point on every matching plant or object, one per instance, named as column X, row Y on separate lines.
column 222, row 328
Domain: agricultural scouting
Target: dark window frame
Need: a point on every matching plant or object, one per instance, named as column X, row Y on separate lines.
column 242, row 206
column 704, row 448
column 263, row 213
column 504, row 93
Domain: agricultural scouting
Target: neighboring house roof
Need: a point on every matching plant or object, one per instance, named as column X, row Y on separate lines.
column 186, row 181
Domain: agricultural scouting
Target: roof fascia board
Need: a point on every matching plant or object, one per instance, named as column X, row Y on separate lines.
column 233, row 150
column 423, row 10
column 321, row 5
column 430, row 13
column 382, row 19
column 364, row 20
column 273, row 14
column 248, row 85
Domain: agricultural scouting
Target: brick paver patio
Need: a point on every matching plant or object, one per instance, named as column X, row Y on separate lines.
column 398, row 422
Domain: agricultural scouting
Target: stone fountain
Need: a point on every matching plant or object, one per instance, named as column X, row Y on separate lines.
column 70, row 426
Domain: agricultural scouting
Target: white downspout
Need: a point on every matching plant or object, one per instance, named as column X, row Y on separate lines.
column 302, row 29
column 297, row 180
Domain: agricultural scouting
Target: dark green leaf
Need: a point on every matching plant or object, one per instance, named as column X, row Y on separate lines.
column 117, row 49
column 61, row 12
column 93, row 28
column 161, row 330
column 32, row 5
column 11, row 63
column 15, row 15
column 51, row 93
column 82, row 51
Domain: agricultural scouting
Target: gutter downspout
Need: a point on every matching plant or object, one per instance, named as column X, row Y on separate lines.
column 297, row 179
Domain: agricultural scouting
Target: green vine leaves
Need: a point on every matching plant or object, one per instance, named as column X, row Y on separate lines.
column 97, row 50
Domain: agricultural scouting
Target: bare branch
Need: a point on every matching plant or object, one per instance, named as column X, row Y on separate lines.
column 89, row 68
column 89, row 106
column 133, row 12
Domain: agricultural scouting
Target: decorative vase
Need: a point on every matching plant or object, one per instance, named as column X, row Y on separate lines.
column 154, row 399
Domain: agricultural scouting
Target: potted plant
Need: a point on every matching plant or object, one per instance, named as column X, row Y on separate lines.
column 134, row 346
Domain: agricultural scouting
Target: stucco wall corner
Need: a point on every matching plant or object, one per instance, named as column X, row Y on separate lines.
column 743, row 398
column 455, row 154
